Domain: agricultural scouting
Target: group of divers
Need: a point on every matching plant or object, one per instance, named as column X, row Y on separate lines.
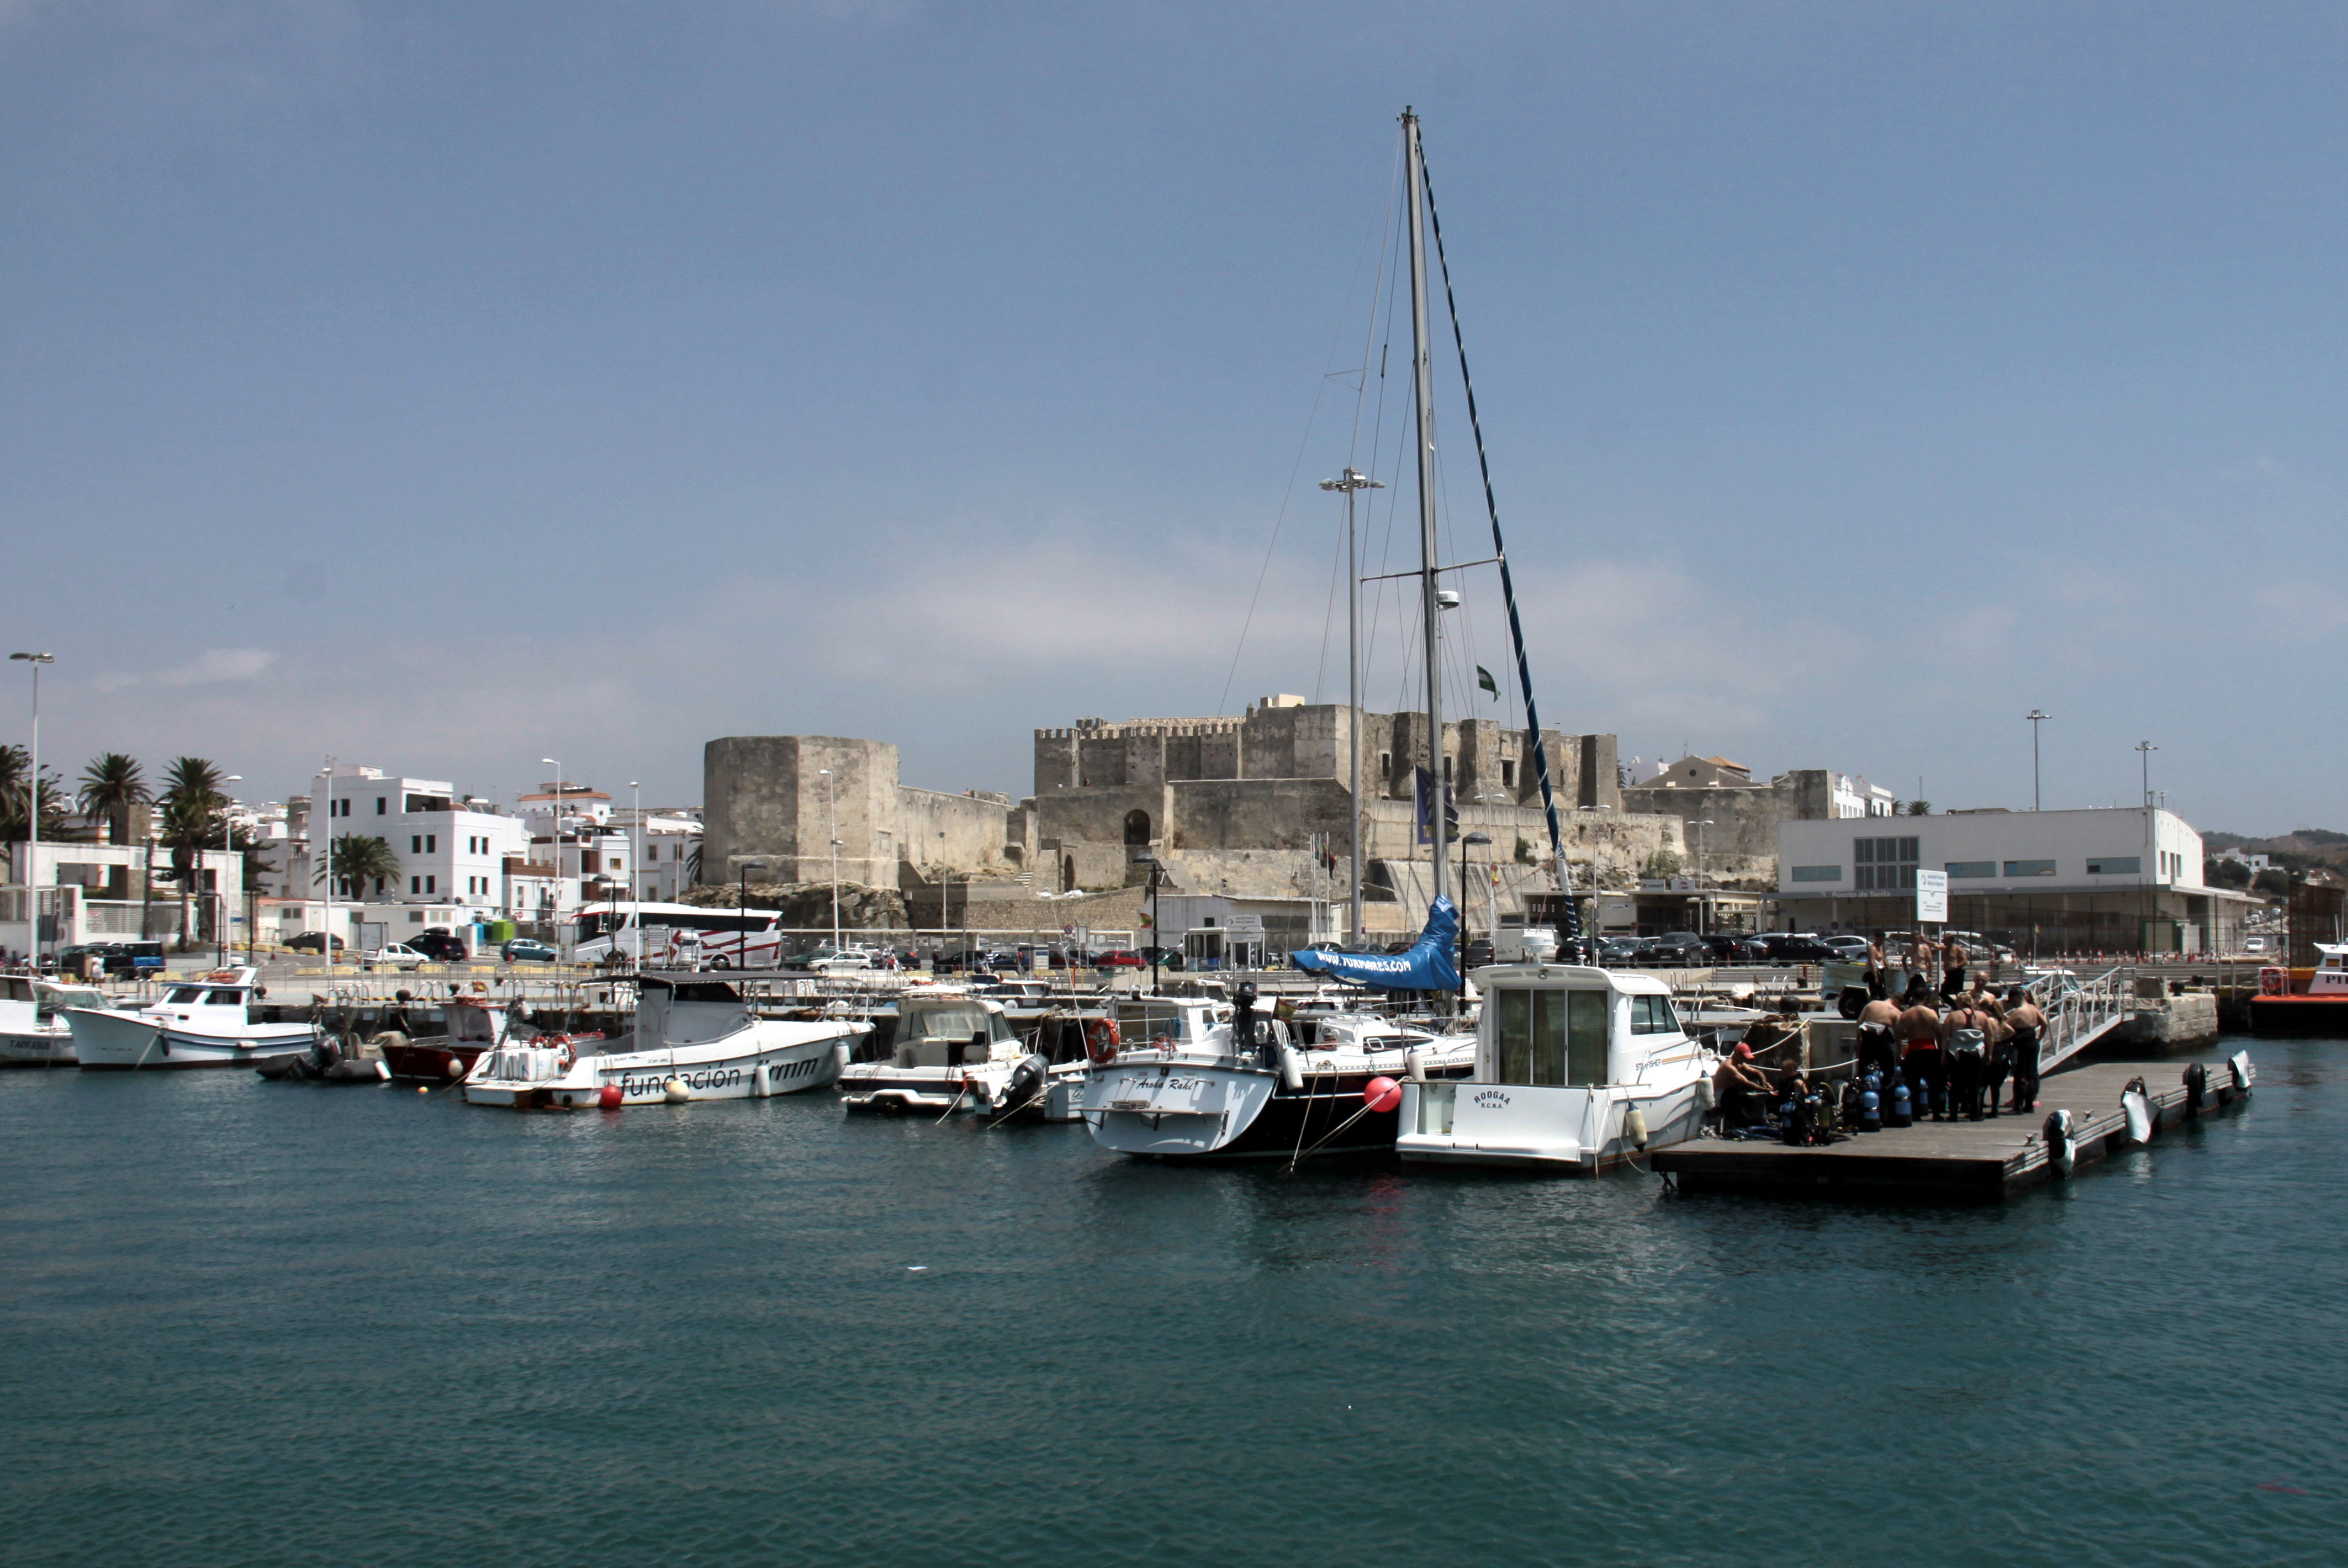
column 1945, row 1055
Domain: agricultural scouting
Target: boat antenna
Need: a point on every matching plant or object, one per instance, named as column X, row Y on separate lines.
column 1569, row 923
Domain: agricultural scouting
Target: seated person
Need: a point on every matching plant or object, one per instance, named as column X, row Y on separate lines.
column 1743, row 1090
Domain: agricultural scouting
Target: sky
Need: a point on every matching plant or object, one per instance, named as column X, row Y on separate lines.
column 447, row 386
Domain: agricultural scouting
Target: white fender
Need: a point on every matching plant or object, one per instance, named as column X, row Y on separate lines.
column 2238, row 1064
column 2138, row 1108
column 2062, row 1148
column 1413, row 1067
column 1289, row 1073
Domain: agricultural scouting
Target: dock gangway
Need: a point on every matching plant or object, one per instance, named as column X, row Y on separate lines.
column 2080, row 1013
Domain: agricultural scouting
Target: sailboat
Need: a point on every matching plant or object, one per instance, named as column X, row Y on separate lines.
column 1241, row 1087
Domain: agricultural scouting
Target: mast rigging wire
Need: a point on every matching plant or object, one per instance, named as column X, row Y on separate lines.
column 1569, row 924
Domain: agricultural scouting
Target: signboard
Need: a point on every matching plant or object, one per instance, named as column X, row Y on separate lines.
column 1246, row 926
column 1931, row 897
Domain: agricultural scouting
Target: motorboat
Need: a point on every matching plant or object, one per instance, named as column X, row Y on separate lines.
column 1575, row 1069
column 697, row 1038
column 213, row 1020
column 476, row 1024
column 1190, row 1079
column 947, row 1053
column 34, row 1031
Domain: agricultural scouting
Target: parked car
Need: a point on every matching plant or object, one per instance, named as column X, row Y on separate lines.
column 528, row 950
column 831, row 961
column 313, row 942
column 393, row 956
column 1796, row 947
column 444, row 946
column 1735, row 948
column 1119, row 958
column 1164, row 958
column 1476, row 954
column 1618, row 952
column 971, row 958
column 2254, row 944
column 1848, row 945
column 1680, row 948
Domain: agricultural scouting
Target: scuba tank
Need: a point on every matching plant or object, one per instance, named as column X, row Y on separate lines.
column 1903, row 1107
column 1870, row 1111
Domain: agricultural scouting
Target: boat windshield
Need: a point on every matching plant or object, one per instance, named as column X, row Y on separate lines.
column 949, row 1023
column 183, row 994
column 203, row 996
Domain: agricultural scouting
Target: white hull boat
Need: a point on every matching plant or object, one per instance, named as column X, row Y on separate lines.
column 33, row 1030
column 949, row 1053
column 1190, row 1081
column 200, row 1022
column 1576, row 1069
column 701, row 1042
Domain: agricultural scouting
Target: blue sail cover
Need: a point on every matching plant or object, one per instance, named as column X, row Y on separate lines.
column 1430, row 965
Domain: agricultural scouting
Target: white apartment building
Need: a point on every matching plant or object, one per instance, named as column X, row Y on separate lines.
column 668, row 838
column 452, row 849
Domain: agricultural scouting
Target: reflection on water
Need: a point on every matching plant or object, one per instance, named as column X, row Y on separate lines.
column 259, row 1324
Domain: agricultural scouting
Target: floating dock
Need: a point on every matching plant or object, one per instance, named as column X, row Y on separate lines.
column 1956, row 1162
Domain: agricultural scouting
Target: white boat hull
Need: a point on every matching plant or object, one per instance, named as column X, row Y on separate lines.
column 756, row 1067
column 20, row 1048
column 112, row 1040
column 1570, row 1131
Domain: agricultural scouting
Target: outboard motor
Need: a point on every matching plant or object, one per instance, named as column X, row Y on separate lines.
column 1027, row 1085
column 1245, row 1033
column 1903, row 1106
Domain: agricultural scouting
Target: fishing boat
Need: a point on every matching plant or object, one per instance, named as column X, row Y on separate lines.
column 1576, row 1069
column 695, row 1038
column 947, row 1053
column 475, row 1025
column 34, row 1031
column 2305, row 1000
column 212, row 1020
column 1185, row 1080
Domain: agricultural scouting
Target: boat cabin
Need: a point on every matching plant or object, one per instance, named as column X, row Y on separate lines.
column 1559, row 1025
column 686, row 1010
column 944, row 1031
column 209, row 997
column 39, row 1001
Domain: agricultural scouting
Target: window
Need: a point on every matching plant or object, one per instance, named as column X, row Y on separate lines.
column 432, row 885
column 416, row 885
column 1818, row 873
column 1508, row 774
column 1970, row 868
column 2116, row 866
column 416, row 917
column 1884, row 865
column 382, row 805
column 415, row 844
column 1653, row 1015
column 2030, row 868
column 431, row 843
column 1552, row 1037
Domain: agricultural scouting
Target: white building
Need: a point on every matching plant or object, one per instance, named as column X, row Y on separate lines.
column 2111, row 880
column 68, row 894
column 451, row 849
column 669, row 841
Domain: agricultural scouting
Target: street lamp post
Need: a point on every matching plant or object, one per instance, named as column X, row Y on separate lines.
column 1353, row 484
column 2036, row 719
column 1489, row 921
column 742, row 904
column 33, row 806
column 831, row 827
column 322, row 849
column 219, row 889
column 2144, row 750
column 555, row 839
column 1156, row 932
column 1703, row 915
column 637, row 846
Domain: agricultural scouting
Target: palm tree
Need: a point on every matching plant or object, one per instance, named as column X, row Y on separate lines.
column 188, row 830
column 358, row 860
column 14, row 762
column 115, row 785
column 194, row 778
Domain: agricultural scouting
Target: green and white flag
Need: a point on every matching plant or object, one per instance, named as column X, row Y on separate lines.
column 1484, row 679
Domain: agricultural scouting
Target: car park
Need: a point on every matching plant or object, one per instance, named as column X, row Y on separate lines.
column 529, row 950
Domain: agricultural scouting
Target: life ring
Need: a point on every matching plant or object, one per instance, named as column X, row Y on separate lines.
column 2274, row 982
column 1100, row 1040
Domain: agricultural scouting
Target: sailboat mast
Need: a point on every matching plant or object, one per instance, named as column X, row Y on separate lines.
column 1354, row 700
column 1423, row 393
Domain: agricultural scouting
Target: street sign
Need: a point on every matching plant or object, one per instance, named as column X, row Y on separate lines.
column 1931, row 897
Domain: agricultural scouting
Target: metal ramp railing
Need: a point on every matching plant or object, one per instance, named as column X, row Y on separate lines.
column 2080, row 1013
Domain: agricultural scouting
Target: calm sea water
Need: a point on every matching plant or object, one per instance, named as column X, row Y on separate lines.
column 257, row 1325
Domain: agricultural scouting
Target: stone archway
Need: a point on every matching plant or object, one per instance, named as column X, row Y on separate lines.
column 1136, row 829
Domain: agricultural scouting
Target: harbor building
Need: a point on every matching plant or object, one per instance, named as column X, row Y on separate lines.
column 63, row 895
column 1730, row 819
column 2112, row 879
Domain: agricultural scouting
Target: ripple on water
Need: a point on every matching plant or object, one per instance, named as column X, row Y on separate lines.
column 259, row 1325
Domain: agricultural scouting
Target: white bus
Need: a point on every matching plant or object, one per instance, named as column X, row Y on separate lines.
column 678, row 936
